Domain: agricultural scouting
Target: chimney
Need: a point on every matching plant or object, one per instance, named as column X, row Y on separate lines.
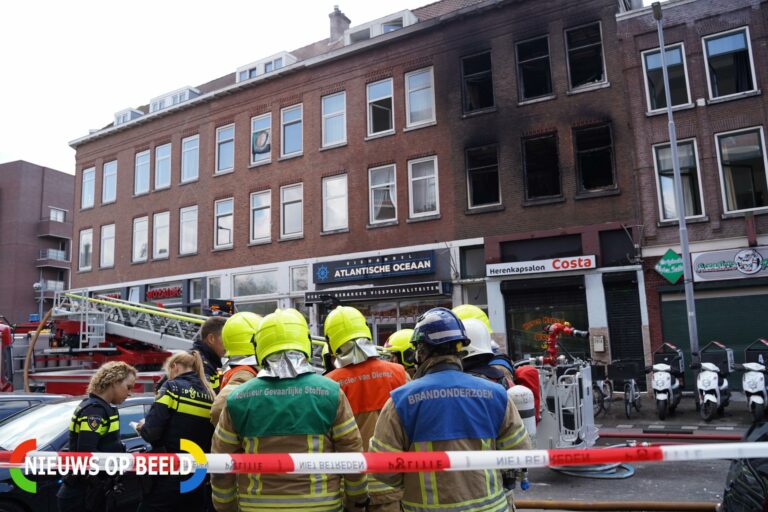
column 339, row 23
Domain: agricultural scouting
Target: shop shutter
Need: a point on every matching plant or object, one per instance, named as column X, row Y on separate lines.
column 624, row 322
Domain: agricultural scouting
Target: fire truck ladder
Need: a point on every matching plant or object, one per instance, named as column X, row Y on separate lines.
column 103, row 315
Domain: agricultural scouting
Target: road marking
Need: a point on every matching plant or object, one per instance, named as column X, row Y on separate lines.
column 624, row 426
column 690, row 427
column 657, row 426
column 723, row 428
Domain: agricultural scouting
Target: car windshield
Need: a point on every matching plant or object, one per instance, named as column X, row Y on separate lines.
column 43, row 423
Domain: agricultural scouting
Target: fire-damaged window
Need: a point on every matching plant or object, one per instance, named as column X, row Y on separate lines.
column 534, row 75
column 478, row 82
column 729, row 63
column 594, row 157
column 542, row 172
column 483, row 176
column 585, row 55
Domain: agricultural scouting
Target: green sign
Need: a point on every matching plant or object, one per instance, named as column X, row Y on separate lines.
column 670, row 266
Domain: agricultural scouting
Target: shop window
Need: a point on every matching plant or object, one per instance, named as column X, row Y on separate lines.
column 190, row 158
column 134, row 294
column 86, row 249
column 689, row 173
column 334, row 113
column 160, row 235
column 382, row 194
column 140, row 239
column 292, row 211
column 477, row 82
column 261, row 139
column 299, row 279
column 483, row 176
column 541, row 248
column 195, row 290
column 472, row 262
column 585, row 55
column 260, row 308
column 141, row 173
column 261, row 216
column 225, row 148
column 224, row 213
column 742, row 169
column 616, row 248
column 188, row 230
column 335, row 211
column 542, row 172
column 214, row 287
column 729, row 63
column 107, row 249
column 255, row 283
column 380, row 110
column 88, row 188
column 594, row 158
column 534, row 74
column 419, row 98
column 654, row 77
column 291, row 132
column 423, row 191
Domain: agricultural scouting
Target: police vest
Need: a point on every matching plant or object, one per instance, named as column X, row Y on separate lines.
column 94, row 416
column 189, row 403
column 447, row 405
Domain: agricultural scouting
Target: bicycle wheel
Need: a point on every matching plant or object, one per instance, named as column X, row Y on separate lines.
column 636, row 396
column 598, row 400
column 628, row 400
column 608, row 394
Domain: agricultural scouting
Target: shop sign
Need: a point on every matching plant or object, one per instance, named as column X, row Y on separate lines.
column 395, row 291
column 730, row 264
column 539, row 266
column 166, row 292
column 670, row 266
column 376, row 267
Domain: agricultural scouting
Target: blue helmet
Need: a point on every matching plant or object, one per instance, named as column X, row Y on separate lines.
column 438, row 326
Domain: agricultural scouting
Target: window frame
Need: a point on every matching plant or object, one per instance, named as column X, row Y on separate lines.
column 216, row 216
column 63, row 212
column 559, row 195
column 300, row 107
column 464, row 109
column 371, row 220
column 590, row 85
column 80, row 266
column 368, row 103
column 182, row 212
column 112, row 174
column 268, row 158
column 325, row 117
column 219, row 142
column 325, row 197
column 140, row 154
column 582, row 190
column 520, row 88
column 720, row 166
column 267, row 193
column 169, row 158
column 411, row 179
column 467, row 173
column 654, row 154
column 136, row 220
column 155, row 238
column 667, row 47
column 102, row 240
column 184, row 156
column 705, row 54
column 433, row 119
column 283, row 203
column 91, row 171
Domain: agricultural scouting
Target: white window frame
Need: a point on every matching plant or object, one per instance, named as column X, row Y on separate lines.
column 369, row 101
column 157, row 165
column 216, row 216
column 134, row 239
column 519, row 75
column 568, row 60
column 654, row 149
column 182, row 212
column 219, row 142
column 268, row 207
column 283, row 203
column 371, row 220
column 720, row 166
column 141, row 154
column 89, row 179
column 113, row 175
column 300, row 106
column 80, row 266
column 155, row 235
column 411, row 214
column 185, row 155
column 324, row 181
column 328, row 116
column 645, row 76
column 705, row 55
column 105, row 239
column 268, row 158
column 53, row 210
column 433, row 119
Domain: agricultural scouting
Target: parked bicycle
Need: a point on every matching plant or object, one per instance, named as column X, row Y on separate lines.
column 602, row 389
column 625, row 370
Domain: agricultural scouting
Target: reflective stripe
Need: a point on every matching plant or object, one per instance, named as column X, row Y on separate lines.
column 344, row 428
column 355, row 487
column 427, row 480
column 223, row 495
column 491, row 475
column 290, row 500
column 254, row 479
column 381, row 446
column 225, row 436
column 496, row 503
column 194, row 410
column 290, row 507
column 315, row 479
column 168, row 400
column 512, row 440
column 376, row 486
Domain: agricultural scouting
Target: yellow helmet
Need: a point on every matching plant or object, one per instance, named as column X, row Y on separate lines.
column 466, row 311
column 400, row 342
column 343, row 324
column 238, row 333
column 285, row 329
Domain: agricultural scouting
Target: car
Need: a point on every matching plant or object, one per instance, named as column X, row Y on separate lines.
column 12, row 403
column 48, row 423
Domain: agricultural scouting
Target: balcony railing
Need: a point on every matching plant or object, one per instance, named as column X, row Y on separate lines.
column 53, row 254
column 52, row 286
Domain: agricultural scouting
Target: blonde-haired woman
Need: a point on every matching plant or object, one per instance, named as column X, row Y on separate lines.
column 182, row 410
column 95, row 427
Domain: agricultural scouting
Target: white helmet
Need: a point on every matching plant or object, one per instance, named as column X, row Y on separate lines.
column 479, row 336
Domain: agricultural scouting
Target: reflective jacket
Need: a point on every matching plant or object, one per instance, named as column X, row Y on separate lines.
column 234, row 379
column 305, row 414
column 211, row 364
column 95, row 427
column 446, row 409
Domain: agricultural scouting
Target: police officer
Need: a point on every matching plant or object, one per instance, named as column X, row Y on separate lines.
column 211, row 349
column 181, row 411
column 95, row 427
column 399, row 347
column 445, row 409
column 287, row 408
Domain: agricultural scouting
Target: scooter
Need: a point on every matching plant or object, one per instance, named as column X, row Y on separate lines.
column 712, row 390
column 753, row 383
column 666, row 387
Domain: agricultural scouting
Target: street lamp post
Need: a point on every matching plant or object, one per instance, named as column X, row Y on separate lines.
column 679, row 201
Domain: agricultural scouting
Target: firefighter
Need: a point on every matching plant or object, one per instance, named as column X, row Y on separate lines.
column 211, row 349
column 399, row 347
column 445, row 409
column 238, row 336
column 181, row 411
column 476, row 356
column 501, row 361
column 95, row 427
column 287, row 408
column 366, row 381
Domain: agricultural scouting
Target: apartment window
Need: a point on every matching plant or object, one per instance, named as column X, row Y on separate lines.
column 742, row 169
column 107, row 247
column 261, row 139
column 291, row 211
column 483, row 176
column 335, row 212
column 86, row 249
column 380, row 112
column 89, row 186
column 109, row 182
column 382, row 194
column 477, row 82
column 729, row 63
column 141, row 173
column 391, row 25
column 225, row 148
column 334, row 119
column 654, row 77
column 542, row 172
column 261, row 216
column 594, row 157
column 534, row 74
column 57, row 215
column 419, row 97
column 161, row 223
column 224, row 223
column 689, row 172
column 188, row 230
column 422, row 187
column 291, row 122
column 162, row 166
column 585, row 55
column 190, row 158
column 140, row 239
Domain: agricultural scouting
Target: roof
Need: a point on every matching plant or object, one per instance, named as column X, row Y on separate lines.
column 442, row 7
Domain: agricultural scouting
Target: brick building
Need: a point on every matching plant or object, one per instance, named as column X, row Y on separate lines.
column 35, row 237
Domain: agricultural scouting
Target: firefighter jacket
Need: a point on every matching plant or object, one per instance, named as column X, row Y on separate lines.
column 238, row 375
column 95, row 427
column 182, row 410
column 446, row 409
column 503, row 363
column 211, row 364
column 305, row 414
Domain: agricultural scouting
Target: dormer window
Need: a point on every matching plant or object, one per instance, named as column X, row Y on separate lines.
column 173, row 98
column 268, row 65
column 379, row 27
column 391, row 26
column 360, row 35
column 126, row 115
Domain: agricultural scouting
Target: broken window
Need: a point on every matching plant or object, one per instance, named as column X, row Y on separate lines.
column 542, row 173
column 678, row 83
column 533, row 68
column 585, row 55
column 478, row 82
column 594, row 157
column 483, row 176
column 742, row 163
column 729, row 63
